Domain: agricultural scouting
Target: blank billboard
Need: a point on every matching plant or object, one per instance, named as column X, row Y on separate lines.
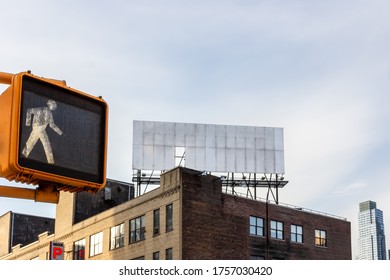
column 208, row 147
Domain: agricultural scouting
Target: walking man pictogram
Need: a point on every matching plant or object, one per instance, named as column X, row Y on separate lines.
column 42, row 116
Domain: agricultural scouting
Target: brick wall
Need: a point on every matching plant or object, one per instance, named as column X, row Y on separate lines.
column 216, row 226
column 209, row 232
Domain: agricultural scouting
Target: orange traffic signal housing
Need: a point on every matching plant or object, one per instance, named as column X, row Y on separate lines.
column 51, row 134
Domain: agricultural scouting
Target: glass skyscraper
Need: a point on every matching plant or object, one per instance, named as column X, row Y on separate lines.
column 372, row 245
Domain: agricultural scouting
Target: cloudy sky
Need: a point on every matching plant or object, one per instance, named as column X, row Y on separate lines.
column 319, row 69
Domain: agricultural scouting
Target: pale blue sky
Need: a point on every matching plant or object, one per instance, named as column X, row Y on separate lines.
column 319, row 69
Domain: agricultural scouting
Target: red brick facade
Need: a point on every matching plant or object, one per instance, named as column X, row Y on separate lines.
column 216, row 226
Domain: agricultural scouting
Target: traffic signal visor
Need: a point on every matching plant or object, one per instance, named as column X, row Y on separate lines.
column 52, row 133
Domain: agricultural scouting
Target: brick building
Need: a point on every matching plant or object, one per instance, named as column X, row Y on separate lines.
column 190, row 217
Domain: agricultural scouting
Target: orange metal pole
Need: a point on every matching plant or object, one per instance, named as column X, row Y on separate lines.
column 17, row 192
column 39, row 195
column 6, row 78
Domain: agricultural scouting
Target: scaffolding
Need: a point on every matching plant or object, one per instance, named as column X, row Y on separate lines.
column 250, row 185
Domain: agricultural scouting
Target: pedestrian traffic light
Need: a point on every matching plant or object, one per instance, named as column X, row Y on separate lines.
column 50, row 132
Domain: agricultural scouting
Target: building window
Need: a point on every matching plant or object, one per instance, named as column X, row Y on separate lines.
column 117, row 236
column 137, row 229
column 156, row 222
column 79, row 250
column 169, row 217
column 256, row 226
column 169, row 254
column 277, row 230
column 156, row 255
column 141, row 258
column 320, row 238
column 296, row 234
column 96, row 244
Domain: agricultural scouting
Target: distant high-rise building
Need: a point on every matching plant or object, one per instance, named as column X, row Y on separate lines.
column 372, row 245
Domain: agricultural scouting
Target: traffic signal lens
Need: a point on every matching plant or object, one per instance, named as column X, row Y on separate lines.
column 61, row 131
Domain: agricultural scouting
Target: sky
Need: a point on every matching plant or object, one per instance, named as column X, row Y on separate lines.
column 318, row 69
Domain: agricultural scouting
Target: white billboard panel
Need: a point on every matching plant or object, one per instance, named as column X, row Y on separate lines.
column 208, row 147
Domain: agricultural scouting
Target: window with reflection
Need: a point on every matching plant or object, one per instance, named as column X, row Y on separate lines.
column 117, row 238
column 296, row 234
column 96, row 244
column 256, row 226
column 79, row 250
column 137, row 229
column 169, row 217
column 320, row 238
column 276, row 228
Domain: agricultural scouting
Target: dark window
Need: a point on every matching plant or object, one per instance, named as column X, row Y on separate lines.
column 156, row 221
column 169, row 217
column 156, row 255
column 137, row 229
column 169, row 254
